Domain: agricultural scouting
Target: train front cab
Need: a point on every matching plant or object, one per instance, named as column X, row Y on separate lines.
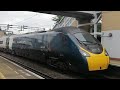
column 97, row 61
column 96, row 56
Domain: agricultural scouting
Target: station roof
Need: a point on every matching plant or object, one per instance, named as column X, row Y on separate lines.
column 69, row 29
column 75, row 14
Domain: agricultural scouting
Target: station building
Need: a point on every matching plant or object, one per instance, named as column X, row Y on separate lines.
column 70, row 21
column 111, row 34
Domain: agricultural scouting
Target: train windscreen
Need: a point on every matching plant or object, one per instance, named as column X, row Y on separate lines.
column 89, row 42
column 85, row 38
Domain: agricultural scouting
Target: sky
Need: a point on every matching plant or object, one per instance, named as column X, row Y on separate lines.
column 32, row 19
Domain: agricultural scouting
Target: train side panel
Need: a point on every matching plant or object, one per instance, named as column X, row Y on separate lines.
column 11, row 42
column 3, row 43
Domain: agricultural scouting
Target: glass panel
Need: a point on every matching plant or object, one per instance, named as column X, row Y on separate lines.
column 85, row 37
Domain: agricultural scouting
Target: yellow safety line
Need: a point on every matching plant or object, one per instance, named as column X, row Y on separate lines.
column 2, row 76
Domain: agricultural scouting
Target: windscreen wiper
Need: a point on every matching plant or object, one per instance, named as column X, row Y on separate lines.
column 88, row 42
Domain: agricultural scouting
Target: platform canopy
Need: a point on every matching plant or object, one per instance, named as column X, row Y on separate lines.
column 75, row 14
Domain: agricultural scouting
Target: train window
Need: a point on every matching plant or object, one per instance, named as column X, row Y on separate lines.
column 85, row 37
column 1, row 42
column 50, row 38
column 64, row 39
column 29, row 43
column 24, row 41
column 45, row 41
column 39, row 37
column 39, row 41
column 21, row 42
column 15, row 40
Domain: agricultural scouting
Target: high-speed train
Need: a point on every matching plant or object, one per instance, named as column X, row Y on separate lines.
column 67, row 48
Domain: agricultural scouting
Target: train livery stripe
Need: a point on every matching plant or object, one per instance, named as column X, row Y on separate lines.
column 97, row 61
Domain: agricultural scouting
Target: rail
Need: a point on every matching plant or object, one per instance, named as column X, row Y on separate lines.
column 113, row 72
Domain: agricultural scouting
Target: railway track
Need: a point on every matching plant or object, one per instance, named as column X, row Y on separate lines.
column 113, row 72
column 41, row 69
column 50, row 73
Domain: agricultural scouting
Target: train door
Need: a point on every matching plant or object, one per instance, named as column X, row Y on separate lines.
column 45, row 42
column 38, row 52
column 7, row 42
column 44, row 47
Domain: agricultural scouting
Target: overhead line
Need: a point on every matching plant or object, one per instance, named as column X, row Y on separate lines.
column 27, row 19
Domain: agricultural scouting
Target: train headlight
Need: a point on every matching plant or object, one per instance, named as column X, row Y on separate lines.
column 106, row 53
column 85, row 53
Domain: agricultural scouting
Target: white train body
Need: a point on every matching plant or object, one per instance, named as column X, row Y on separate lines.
column 3, row 42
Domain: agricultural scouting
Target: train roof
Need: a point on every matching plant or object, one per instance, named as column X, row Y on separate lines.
column 70, row 29
column 64, row 30
column 32, row 34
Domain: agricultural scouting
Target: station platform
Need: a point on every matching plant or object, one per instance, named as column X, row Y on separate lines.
column 10, row 70
column 115, row 62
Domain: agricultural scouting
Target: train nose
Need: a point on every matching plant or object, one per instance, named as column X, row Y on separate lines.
column 98, row 63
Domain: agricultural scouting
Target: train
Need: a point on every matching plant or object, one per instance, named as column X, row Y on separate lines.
column 66, row 48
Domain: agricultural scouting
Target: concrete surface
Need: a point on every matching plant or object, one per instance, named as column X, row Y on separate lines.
column 10, row 70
